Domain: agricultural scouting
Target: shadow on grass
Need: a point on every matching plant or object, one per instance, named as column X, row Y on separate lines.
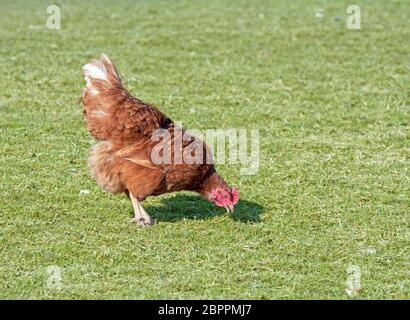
column 194, row 207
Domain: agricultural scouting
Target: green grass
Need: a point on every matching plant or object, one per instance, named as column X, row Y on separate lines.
column 333, row 187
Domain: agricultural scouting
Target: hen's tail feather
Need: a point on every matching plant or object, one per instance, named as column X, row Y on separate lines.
column 102, row 94
column 100, row 74
column 111, row 112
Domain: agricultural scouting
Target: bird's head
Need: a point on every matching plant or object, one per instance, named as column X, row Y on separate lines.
column 225, row 197
column 215, row 189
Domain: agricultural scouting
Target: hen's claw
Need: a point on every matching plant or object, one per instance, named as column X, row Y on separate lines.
column 142, row 221
column 140, row 215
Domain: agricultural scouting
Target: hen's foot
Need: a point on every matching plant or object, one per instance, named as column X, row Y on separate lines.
column 140, row 215
column 143, row 221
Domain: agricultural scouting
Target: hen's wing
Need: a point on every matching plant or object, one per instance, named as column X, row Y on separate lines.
column 172, row 163
column 139, row 153
column 139, row 174
column 111, row 112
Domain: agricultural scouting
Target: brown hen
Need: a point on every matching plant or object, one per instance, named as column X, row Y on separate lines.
column 141, row 151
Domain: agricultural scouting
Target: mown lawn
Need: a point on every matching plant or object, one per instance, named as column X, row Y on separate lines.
column 332, row 107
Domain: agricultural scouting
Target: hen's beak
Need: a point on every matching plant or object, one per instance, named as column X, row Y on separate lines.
column 229, row 208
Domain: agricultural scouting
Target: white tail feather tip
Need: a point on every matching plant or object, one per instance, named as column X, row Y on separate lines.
column 95, row 70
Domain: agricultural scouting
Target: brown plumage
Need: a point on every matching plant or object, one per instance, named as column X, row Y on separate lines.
column 130, row 132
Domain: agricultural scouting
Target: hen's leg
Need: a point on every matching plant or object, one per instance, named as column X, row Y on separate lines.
column 140, row 215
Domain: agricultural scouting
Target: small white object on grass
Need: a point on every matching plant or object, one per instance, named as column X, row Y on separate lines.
column 370, row 250
column 319, row 13
column 353, row 283
column 84, row 192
